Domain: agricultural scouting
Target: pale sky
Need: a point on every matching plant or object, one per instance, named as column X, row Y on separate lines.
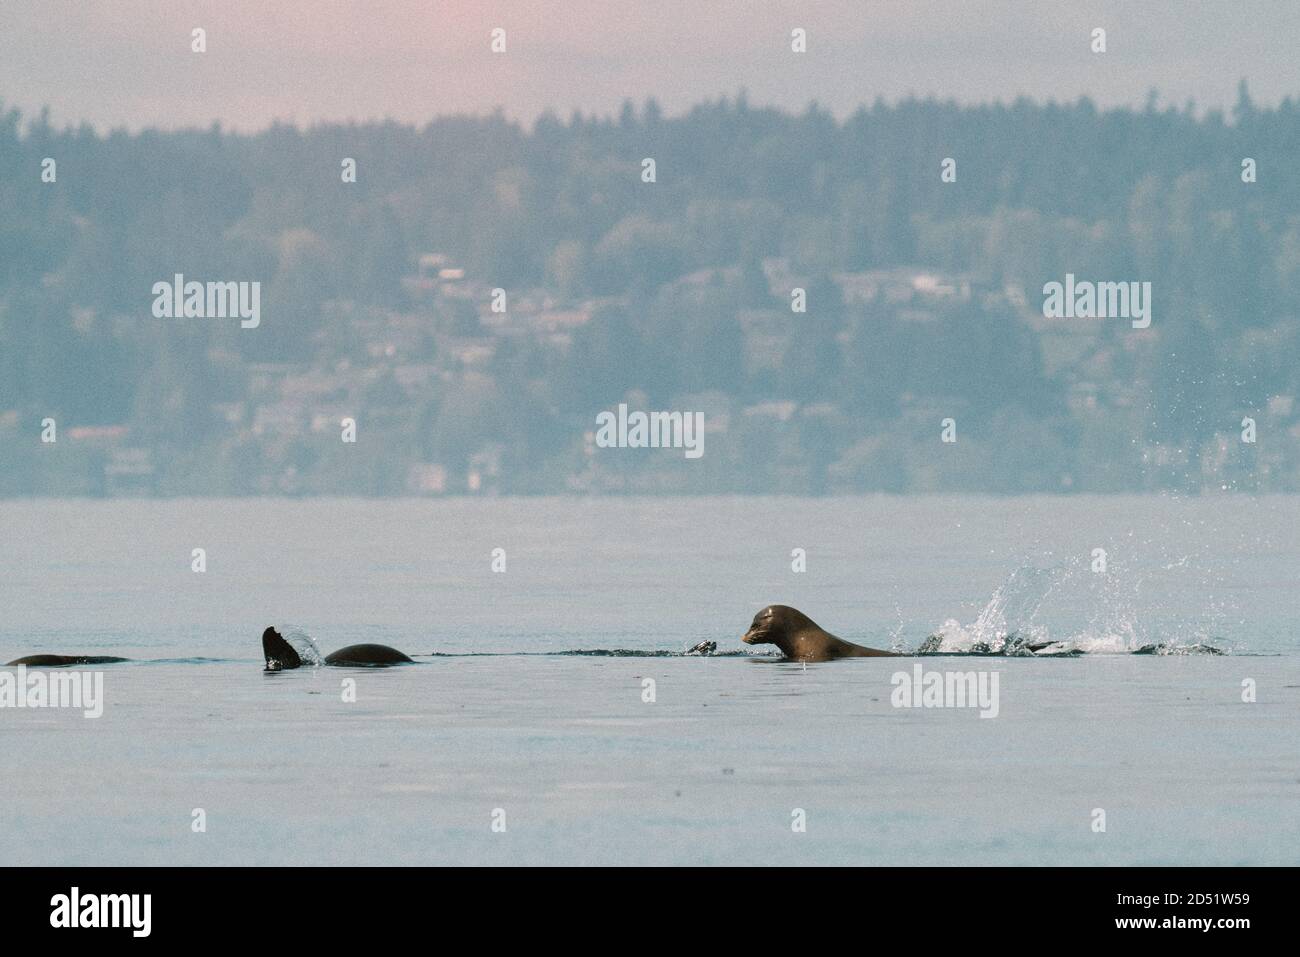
column 128, row 62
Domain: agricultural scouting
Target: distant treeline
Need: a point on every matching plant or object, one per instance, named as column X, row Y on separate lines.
column 561, row 212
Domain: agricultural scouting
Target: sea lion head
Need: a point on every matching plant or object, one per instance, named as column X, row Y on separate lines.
column 775, row 625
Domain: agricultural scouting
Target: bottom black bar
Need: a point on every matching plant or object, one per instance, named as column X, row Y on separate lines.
column 340, row 905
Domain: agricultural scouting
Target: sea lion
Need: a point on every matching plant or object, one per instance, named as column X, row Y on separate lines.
column 1164, row 648
column 59, row 661
column 802, row 639
column 367, row 655
column 280, row 655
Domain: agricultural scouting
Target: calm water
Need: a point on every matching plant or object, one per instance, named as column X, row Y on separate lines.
column 710, row 772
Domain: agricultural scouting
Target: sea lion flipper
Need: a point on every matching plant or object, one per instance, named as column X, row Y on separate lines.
column 275, row 648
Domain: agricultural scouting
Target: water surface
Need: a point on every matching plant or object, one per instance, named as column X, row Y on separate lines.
column 587, row 771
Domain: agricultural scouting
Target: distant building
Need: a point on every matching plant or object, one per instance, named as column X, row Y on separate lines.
column 278, row 418
column 102, row 436
column 435, row 275
column 426, row 478
column 557, row 320
column 129, row 471
column 231, row 413
column 484, row 473
column 781, row 411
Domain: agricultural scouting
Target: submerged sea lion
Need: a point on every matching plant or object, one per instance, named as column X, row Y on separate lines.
column 59, row 661
column 280, row 655
column 1164, row 648
column 802, row 639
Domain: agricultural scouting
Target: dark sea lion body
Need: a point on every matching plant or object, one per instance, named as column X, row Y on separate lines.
column 59, row 661
column 801, row 639
column 367, row 655
column 280, row 655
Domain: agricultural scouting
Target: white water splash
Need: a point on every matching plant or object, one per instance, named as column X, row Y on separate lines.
column 1015, row 620
column 302, row 643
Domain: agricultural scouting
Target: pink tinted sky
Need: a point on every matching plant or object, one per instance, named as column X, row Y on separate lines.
column 128, row 62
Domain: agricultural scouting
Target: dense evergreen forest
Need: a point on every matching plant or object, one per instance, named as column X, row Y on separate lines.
column 924, row 302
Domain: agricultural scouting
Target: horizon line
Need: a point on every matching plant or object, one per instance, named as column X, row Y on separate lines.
column 1152, row 104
